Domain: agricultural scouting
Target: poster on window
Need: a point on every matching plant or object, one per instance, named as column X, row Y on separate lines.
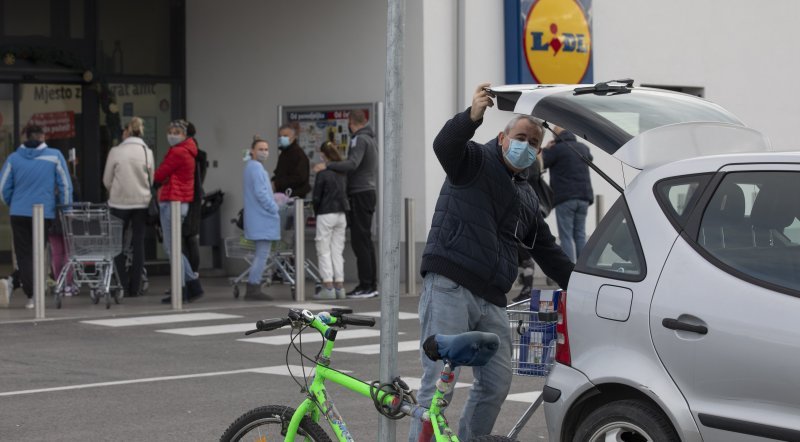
column 548, row 41
column 318, row 124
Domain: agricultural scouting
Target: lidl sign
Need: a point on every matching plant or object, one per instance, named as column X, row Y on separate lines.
column 548, row 41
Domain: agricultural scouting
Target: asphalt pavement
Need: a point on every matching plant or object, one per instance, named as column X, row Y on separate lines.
column 140, row 371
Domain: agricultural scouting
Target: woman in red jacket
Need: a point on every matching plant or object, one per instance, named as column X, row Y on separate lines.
column 176, row 177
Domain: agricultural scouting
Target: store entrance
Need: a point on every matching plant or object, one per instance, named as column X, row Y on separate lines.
column 57, row 108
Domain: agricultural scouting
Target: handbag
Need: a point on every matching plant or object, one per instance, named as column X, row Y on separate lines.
column 153, row 215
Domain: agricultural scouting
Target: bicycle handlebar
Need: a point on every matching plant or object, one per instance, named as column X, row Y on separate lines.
column 361, row 321
column 272, row 324
column 335, row 318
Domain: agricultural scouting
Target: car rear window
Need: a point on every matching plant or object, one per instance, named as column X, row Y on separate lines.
column 679, row 195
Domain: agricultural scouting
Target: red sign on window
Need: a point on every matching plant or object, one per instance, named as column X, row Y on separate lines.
column 56, row 125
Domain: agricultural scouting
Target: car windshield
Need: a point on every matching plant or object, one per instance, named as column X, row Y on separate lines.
column 644, row 109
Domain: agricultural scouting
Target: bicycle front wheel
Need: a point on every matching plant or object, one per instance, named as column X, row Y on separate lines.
column 265, row 424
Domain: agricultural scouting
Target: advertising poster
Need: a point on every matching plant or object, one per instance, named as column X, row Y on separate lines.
column 317, row 124
column 548, row 41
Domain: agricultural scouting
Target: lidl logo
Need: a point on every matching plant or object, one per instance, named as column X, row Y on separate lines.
column 557, row 41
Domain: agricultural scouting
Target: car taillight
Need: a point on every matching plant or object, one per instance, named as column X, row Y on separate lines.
column 562, row 343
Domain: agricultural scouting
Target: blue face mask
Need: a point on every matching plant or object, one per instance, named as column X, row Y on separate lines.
column 520, row 154
column 283, row 142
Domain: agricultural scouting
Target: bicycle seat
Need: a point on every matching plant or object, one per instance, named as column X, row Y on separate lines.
column 468, row 349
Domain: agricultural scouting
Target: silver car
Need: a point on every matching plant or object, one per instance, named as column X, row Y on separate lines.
column 682, row 318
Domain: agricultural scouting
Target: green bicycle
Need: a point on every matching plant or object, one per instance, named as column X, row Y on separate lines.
column 394, row 400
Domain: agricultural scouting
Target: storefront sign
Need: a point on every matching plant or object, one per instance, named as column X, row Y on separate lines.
column 56, row 125
column 548, row 41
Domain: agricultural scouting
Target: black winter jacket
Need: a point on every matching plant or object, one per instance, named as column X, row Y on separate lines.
column 330, row 193
column 361, row 164
column 482, row 214
column 292, row 171
column 569, row 175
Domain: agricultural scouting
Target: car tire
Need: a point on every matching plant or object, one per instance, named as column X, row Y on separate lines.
column 633, row 420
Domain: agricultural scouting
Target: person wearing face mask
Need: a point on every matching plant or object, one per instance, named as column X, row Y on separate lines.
column 176, row 176
column 485, row 210
column 292, row 170
column 572, row 188
column 261, row 219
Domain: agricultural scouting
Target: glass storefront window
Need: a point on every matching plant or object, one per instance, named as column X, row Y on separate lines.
column 29, row 18
column 6, row 148
column 134, row 40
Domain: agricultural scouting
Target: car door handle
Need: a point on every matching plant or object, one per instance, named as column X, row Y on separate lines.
column 674, row 324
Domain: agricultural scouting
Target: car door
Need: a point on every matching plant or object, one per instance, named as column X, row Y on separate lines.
column 725, row 316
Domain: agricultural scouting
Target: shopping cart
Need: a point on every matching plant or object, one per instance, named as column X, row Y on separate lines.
column 533, row 346
column 93, row 237
column 281, row 262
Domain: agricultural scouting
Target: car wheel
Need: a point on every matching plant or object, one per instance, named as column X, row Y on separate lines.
column 628, row 421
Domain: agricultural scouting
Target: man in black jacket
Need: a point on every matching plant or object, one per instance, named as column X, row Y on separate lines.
column 572, row 189
column 484, row 211
column 292, row 170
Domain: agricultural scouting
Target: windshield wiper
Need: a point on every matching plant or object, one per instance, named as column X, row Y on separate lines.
column 612, row 87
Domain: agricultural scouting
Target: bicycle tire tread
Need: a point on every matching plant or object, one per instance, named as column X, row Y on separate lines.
column 312, row 429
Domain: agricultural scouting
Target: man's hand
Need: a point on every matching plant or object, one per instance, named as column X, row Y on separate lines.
column 319, row 167
column 480, row 101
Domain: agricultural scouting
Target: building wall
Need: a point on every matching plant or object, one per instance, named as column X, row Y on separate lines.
column 246, row 58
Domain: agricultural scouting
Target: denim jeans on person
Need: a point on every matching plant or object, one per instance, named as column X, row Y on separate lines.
column 571, row 220
column 330, row 246
column 263, row 246
column 166, row 219
column 446, row 307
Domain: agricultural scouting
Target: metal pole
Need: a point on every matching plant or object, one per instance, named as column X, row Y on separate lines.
column 38, row 260
column 411, row 252
column 299, row 251
column 390, row 228
column 176, row 256
column 599, row 209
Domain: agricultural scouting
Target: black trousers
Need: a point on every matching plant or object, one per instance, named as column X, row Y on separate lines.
column 359, row 220
column 131, row 278
column 22, row 231
column 191, row 249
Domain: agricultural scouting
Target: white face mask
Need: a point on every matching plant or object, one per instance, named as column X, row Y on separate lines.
column 262, row 156
column 174, row 139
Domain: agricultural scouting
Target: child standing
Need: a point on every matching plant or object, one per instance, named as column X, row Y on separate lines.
column 330, row 205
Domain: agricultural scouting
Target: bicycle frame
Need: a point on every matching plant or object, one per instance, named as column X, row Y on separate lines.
column 319, row 403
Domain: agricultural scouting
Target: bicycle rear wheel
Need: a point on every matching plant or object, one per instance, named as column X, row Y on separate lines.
column 265, row 424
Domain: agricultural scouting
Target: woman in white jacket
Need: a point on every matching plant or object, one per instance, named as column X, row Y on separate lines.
column 127, row 177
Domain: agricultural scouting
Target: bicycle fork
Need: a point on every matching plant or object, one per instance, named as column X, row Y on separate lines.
column 444, row 385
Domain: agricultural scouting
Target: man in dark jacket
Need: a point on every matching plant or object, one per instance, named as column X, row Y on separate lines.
column 361, row 167
column 484, row 211
column 572, row 189
column 292, row 170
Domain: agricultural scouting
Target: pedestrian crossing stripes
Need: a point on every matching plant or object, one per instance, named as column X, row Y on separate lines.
column 160, row 319
column 401, row 315
column 527, row 397
column 373, row 349
column 313, row 306
column 312, row 337
column 210, row 329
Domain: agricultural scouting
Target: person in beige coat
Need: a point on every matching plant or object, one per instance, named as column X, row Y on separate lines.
column 127, row 177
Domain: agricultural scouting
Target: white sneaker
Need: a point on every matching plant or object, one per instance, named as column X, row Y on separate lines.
column 340, row 293
column 5, row 293
column 325, row 293
column 29, row 305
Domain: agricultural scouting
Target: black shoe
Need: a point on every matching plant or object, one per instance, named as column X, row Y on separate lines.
column 363, row 293
column 355, row 290
column 524, row 294
column 168, row 299
column 194, row 290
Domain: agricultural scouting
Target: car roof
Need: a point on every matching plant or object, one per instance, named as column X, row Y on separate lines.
column 642, row 127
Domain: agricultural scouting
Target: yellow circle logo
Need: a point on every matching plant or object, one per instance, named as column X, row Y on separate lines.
column 557, row 41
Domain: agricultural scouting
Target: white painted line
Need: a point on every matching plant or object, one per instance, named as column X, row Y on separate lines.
column 373, row 349
column 210, row 329
column 415, row 383
column 313, row 306
column 297, row 370
column 401, row 315
column 273, row 370
column 160, row 319
column 312, row 336
column 527, row 397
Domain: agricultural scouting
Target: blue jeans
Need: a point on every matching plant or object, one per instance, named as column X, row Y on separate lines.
column 263, row 247
column 447, row 308
column 571, row 220
column 166, row 218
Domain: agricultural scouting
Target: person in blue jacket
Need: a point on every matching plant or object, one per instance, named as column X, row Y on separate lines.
column 33, row 174
column 261, row 219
